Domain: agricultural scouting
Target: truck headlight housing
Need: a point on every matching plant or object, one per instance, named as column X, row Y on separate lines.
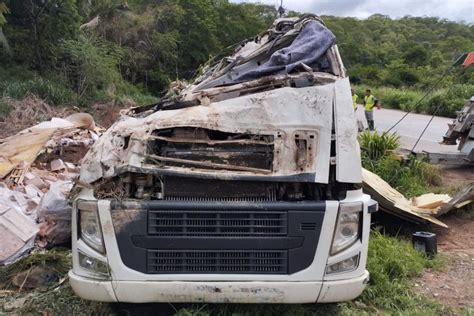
column 346, row 265
column 95, row 266
column 89, row 225
column 347, row 230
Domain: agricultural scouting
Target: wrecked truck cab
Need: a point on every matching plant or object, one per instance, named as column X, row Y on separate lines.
column 242, row 187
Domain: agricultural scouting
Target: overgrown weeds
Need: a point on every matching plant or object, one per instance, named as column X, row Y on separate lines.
column 62, row 301
column 392, row 264
column 25, row 113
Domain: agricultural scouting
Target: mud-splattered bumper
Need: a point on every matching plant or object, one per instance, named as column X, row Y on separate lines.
column 218, row 292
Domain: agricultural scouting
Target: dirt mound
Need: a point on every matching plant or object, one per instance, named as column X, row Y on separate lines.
column 105, row 114
column 28, row 112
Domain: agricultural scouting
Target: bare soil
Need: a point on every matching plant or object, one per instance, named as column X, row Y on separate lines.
column 456, row 177
column 106, row 114
column 454, row 285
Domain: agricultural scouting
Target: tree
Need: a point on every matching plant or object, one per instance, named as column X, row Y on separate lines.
column 3, row 40
column 43, row 23
column 3, row 12
column 415, row 54
column 197, row 32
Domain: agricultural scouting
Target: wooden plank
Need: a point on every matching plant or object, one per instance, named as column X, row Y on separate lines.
column 430, row 200
column 23, row 147
column 394, row 202
column 467, row 194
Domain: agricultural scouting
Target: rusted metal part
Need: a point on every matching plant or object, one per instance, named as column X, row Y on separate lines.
column 211, row 142
column 208, row 164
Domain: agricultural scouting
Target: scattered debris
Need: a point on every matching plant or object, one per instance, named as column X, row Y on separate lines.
column 463, row 198
column 430, row 200
column 422, row 209
column 37, row 169
column 392, row 201
column 17, row 230
column 55, row 212
column 22, row 148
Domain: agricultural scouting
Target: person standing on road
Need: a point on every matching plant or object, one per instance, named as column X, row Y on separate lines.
column 354, row 99
column 370, row 102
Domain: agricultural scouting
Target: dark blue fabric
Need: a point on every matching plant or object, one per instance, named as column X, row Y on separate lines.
column 312, row 43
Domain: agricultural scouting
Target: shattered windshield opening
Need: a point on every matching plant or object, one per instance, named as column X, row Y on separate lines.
column 294, row 52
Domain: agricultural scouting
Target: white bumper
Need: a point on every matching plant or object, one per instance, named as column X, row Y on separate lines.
column 218, row 292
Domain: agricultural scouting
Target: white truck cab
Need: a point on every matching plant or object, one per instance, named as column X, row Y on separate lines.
column 244, row 187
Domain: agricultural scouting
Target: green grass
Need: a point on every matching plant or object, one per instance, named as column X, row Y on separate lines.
column 62, row 301
column 52, row 92
column 18, row 82
column 393, row 263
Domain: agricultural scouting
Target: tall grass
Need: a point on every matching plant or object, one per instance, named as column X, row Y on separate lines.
column 393, row 263
column 50, row 91
column 375, row 145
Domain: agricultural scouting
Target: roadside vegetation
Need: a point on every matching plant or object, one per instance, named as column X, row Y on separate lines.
column 412, row 176
column 440, row 102
column 126, row 52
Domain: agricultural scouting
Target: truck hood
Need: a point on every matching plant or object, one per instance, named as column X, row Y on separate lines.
column 290, row 115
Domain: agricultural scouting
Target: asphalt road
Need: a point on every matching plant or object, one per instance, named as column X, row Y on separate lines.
column 411, row 127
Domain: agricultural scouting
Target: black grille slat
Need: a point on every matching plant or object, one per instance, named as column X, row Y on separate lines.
column 217, row 261
column 217, row 223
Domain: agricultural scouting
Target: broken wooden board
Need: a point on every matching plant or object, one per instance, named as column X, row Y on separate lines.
column 393, row 202
column 430, row 200
column 463, row 198
column 22, row 147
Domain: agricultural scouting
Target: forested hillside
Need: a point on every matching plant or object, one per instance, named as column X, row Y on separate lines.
column 79, row 52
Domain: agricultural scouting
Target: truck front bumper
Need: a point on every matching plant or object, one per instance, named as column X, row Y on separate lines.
column 218, row 292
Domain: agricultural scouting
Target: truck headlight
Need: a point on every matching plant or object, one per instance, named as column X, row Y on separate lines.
column 95, row 266
column 347, row 227
column 346, row 265
column 89, row 225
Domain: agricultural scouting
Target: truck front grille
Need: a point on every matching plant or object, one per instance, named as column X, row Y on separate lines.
column 217, row 261
column 217, row 237
column 217, row 223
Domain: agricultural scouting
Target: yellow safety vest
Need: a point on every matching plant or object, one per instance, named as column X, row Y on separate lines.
column 369, row 103
column 354, row 101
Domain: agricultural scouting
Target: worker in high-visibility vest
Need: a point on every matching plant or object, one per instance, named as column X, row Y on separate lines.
column 369, row 103
column 354, row 99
